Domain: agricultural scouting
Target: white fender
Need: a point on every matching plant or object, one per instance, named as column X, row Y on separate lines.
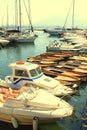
column 8, row 79
column 35, row 123
column 14, row 122
column 75, row 86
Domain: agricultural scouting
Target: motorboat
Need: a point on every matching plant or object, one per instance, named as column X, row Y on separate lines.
column 29, row 105
column 70, row 68
column 75, row 46
column 26, row 72
column 75, row 69
column 77, row 64
column 82, row 58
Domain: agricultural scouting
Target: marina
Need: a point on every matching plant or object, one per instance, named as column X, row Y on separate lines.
column 43, row 65
column 21, row 52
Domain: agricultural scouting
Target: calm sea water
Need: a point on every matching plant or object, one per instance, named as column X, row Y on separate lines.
column 22, row 52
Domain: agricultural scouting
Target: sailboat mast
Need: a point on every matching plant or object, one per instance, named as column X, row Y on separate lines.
column 7, row 16
column 73, row 14
column 20, row 15
column 16, row 14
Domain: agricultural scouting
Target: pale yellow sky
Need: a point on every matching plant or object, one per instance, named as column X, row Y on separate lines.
column 42, row 9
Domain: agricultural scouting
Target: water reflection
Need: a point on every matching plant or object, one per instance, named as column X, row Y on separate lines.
column 12, row 54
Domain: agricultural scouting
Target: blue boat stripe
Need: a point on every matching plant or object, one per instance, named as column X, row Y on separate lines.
column 27, row 79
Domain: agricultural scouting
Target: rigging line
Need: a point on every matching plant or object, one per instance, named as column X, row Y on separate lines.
column 28, row 15
column 67, row 15
column 29, row 9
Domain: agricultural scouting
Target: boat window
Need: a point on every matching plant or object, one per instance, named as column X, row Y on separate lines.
column 24, row 73
column 38, row 69
column 33, row 72
column 21, row 73
column 18, row 72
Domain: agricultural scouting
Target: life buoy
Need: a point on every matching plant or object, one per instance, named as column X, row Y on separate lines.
column 20, row 62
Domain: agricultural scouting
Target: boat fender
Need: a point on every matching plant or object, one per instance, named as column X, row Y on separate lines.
column 75, row 86
column 14, row 122
column 8, row 79
column 35, row 123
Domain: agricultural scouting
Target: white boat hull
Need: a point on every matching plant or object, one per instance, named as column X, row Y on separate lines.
column 25, row 116
column 26, row 39
column 28, row 104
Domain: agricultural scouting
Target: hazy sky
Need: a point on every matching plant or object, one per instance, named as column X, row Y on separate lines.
column 42, row 9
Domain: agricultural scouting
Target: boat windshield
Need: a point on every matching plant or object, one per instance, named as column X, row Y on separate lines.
column 35, row 72
column 21, row 73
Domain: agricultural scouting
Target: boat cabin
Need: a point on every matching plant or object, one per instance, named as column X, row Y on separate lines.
column 25, row 73
column 22, row 69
